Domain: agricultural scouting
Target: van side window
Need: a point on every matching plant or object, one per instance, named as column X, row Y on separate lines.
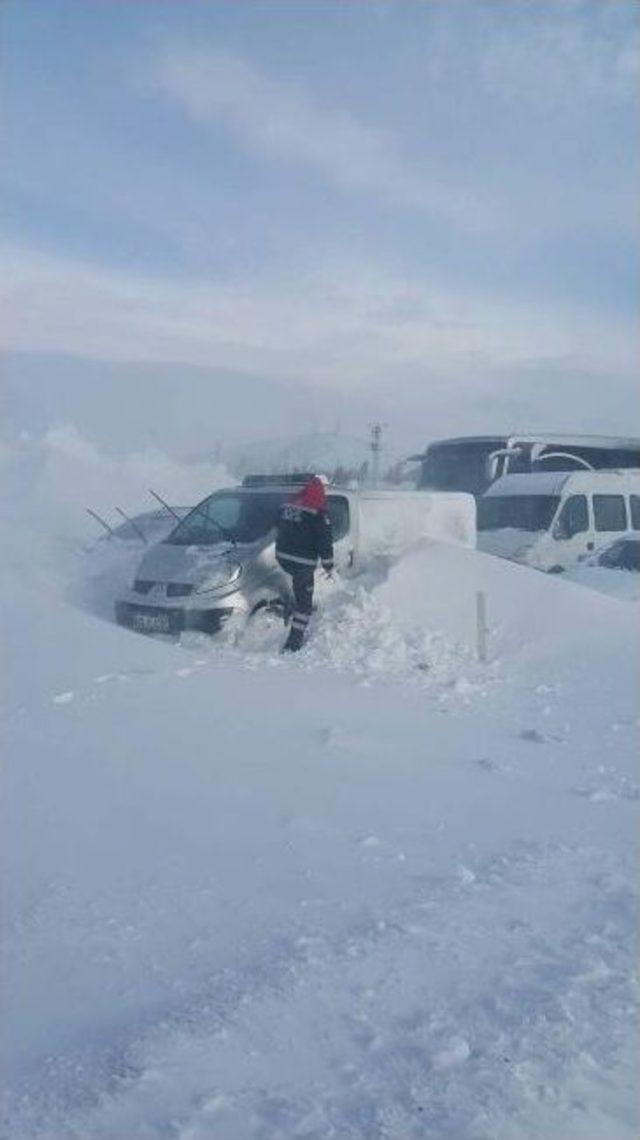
column 609, row 512
column 573, row 518
column 635, row 511
column 338, row 509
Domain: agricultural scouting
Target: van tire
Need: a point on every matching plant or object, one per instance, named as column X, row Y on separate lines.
column 275, row 606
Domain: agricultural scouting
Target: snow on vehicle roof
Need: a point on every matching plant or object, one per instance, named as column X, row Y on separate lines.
column 602, row 441
column 552, row 482
column 536, row 483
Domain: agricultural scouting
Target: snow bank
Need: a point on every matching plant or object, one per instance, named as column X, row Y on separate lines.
column 390, row 523
column 529, row 613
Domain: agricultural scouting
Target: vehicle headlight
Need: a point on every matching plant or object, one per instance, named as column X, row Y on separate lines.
column 218, row 578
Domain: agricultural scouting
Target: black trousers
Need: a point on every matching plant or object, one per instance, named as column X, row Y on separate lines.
column 302, row 581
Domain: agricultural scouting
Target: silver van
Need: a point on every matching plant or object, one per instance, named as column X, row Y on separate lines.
column 219, row 561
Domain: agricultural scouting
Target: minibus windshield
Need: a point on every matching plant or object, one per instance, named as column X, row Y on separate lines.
column 520, row 512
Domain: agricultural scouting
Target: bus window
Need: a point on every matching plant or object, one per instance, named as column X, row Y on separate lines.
column 458, row 466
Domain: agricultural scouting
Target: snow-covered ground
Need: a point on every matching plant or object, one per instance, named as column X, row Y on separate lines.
column 380, row 890
column 618, row 583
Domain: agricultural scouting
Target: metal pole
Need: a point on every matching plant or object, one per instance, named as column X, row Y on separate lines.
column 481, row 624
column 376, row 447
column 101, row 521
column 166, row 505
column 132, row 524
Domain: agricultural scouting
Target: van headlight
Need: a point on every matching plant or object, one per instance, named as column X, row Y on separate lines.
column 220, row 577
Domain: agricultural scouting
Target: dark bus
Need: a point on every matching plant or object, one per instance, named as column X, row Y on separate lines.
column 471, row 463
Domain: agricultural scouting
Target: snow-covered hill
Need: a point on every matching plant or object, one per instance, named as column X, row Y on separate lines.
column 136, row 406
column 380, row 891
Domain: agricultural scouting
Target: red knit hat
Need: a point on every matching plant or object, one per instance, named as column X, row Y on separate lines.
column 312, row 496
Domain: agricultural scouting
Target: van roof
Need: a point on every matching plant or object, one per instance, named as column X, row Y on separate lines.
column 290, row 479
column 553, row 482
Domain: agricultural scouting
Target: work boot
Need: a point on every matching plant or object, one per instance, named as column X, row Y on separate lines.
column 294, row 641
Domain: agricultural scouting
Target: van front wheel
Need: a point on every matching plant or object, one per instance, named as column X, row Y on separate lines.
column 272, row 608
column 264, row 626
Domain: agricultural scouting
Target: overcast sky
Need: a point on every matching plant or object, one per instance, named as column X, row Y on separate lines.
column 411, row 209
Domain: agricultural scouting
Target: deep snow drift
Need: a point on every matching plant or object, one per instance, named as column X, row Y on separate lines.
column 378, row 891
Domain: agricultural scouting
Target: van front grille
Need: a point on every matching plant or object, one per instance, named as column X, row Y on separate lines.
column 142, row 586
column 179, row 590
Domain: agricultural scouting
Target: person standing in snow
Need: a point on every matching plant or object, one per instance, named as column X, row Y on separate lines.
column 304, row 536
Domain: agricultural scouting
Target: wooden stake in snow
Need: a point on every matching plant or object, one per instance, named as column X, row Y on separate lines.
column 481, row 624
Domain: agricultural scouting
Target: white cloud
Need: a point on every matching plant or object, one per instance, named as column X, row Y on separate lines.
column 552, row 60
column 285, row 122
column 345, row 327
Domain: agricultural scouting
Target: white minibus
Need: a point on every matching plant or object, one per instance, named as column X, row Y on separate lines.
column 550, row 520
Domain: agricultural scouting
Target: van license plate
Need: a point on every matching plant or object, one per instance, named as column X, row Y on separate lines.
column 151, row 623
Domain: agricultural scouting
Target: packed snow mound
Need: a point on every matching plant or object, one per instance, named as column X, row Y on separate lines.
column 436, row 585
column 623, row 584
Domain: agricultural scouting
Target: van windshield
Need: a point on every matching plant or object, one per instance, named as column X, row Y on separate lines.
column 236, row 516
column 520, row 512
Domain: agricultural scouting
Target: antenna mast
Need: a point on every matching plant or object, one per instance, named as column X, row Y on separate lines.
column 132, row 524
column 375, row 447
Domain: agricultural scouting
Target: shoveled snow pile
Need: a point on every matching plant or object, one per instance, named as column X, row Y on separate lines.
column 376, row 892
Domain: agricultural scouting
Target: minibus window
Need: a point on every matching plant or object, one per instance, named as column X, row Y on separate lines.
column 609, row 512
column 573, row 518
column 635, row 511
